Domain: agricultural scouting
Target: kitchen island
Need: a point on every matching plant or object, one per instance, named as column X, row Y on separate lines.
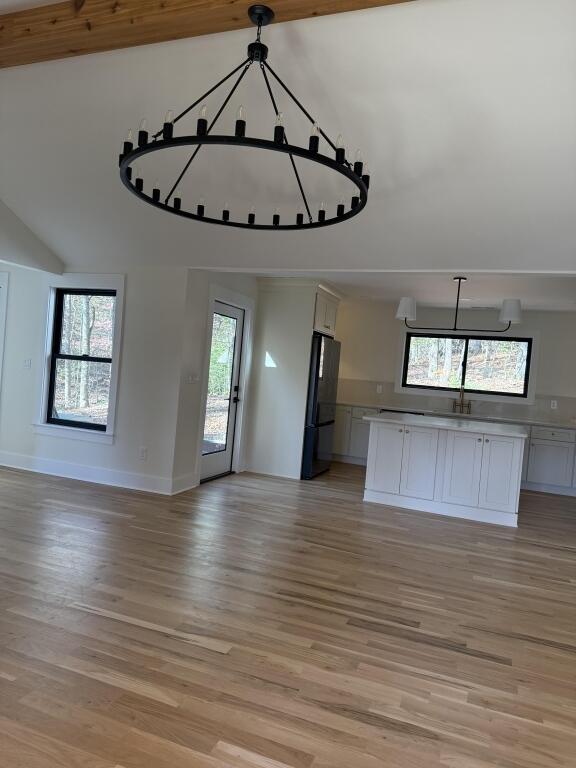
column 456, row 467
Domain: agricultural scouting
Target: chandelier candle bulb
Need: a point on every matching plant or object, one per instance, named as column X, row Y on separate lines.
column 322, row 212
column 340, row 209
column 358, row 164
column 240, row 129
column 276, row 218
column 314, row 143
column 300, row 216
column 142, row 134
column 177, row 203
column 279, row 129
column 156, row 193
column 139, row 184
column 129, row 173
column 226, row 212
column 340, row 151
column 200, row 207
column 252, row 216
column 168, row 127
column 366, row 179
column 128, row 143
column 202, row 125
column 355, row 201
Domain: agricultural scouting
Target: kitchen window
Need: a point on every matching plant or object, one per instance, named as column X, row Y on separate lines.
column 486, row 365
column 82, row 359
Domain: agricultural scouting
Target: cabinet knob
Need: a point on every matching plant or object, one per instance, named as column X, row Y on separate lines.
column 487, row 441
column 400, row 430
column 479, row 439
column 407, row 431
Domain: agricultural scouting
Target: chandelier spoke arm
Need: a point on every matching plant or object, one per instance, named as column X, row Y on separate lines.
column 295, row 169
column 204, row 96
column 222, row 108
column 302, row 108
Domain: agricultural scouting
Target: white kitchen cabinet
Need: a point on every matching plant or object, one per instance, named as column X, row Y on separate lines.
column 461, row 482
column 325, row 313
column 419, row 462
column 501, row 470
column 342, row 424
column 551, row 462
column 359, row 437
column 385, row 458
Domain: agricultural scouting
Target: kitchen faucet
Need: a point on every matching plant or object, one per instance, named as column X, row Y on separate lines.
column 461, row 405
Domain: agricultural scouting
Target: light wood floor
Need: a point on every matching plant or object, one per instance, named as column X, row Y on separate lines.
column 261, row 623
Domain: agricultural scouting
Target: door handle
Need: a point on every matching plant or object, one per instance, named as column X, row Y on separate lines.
column 235, row 399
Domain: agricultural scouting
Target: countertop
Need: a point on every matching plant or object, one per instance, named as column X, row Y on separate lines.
column 529, row 422
column 440, row 422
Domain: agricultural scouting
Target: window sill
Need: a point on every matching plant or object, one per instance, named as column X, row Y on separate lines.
column 74, row 433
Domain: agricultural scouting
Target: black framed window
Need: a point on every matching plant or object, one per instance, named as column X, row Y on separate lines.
column 484, row 365
column 81, row 358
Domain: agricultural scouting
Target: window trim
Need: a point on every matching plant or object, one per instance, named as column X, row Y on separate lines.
column 525, row 395
column 91, row 284
column 56, row 355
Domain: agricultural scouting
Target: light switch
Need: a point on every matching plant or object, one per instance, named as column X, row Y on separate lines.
column 28, row 363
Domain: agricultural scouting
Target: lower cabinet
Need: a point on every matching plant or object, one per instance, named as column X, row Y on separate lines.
column 419, row 455
column 342, row 421
column 475, row 471
column 551, row 463
column 385, row 459
column 461, row 483
column 359, row 438
column 501, row 470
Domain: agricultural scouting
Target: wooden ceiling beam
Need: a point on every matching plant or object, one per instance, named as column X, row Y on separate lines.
column 77, row 27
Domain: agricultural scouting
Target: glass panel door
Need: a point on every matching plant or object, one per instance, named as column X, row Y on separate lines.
column 223, row 390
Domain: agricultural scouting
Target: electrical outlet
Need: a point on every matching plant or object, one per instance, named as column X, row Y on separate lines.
column 378, row 389
column 143, row 453
column 554, row 405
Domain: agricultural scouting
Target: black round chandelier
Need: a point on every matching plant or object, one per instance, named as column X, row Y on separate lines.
column 308, row 215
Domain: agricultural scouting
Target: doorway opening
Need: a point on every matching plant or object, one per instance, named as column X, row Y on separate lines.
column 223, row 393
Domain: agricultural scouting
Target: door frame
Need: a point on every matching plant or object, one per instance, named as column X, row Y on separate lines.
column 218, row 293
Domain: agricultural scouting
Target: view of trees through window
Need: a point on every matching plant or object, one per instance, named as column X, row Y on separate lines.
column 498, row 365
column 219, row 383
column 82, row 358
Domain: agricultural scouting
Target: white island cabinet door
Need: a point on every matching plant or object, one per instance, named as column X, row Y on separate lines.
column 461, row 482
column 501, row 470
column 385, row 458
column 419, row 462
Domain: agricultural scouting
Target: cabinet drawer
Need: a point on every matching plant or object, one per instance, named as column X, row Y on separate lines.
column 551, row 433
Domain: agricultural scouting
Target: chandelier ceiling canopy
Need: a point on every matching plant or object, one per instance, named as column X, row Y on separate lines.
column 321, row 150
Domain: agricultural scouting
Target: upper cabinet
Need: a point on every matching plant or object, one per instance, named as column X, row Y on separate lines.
column 325, row 313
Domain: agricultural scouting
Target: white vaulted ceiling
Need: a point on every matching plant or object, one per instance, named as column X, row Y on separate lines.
column 464, row 109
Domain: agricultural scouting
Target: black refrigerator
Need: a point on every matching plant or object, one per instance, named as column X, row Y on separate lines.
column 321, row 406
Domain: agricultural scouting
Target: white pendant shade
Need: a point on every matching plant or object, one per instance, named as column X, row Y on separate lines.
column 511, row 311
column 406, row 309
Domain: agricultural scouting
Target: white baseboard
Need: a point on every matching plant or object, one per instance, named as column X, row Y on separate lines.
column 184, row 483
column 442, row 508
column 542, row 488
column 100, row 475
column 350, row 460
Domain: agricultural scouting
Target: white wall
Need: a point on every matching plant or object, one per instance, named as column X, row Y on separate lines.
column 164, row 340
column 371, row 340
column 284, row 324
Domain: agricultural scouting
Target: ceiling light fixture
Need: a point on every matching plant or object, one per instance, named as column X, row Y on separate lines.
column 511, row 314
column 316, row 215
